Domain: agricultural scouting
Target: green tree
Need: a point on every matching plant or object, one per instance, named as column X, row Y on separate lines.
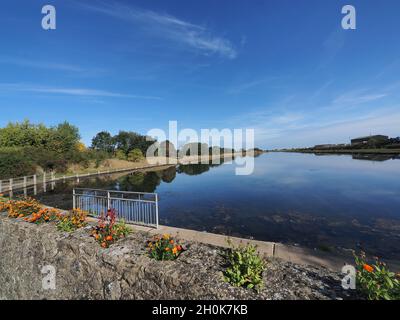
column 135, row 155
column 126, row 141
column 103, row 141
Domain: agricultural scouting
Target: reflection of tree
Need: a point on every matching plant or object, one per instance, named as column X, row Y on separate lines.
column 196, row 169
column 169, row 175
column 140, row 182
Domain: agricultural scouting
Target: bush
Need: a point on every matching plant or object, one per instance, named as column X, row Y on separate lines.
column 72, row 221
column 108, row 231
column 164, row 248
column 245, row 267
column 14, row 163
column 20, row 208
column 135, row 155
column 375, row 281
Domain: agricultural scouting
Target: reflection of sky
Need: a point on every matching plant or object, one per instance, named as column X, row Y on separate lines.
column 294, row 183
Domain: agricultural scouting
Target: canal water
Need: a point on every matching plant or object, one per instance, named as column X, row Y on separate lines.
column 327, row 202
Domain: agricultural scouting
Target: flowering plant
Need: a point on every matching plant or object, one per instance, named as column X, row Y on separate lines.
column 164, row 248
column 43, row 215
column 72, row 220
column 108, row 231
column 376, row 281
column 20, row 208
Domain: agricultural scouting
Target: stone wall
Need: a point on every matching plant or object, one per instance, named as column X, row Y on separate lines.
column 86, row 271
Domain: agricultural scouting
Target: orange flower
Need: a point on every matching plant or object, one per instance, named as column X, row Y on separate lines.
column 109, row 238
column 104, row 245
column 175, row 250
column 21, row 216
column 368, row 268
column 179, row 248
column 167, row 249
column 171, row 242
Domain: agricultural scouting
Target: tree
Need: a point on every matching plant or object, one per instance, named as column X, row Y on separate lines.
column 135, row 155
column 128, row 140
column 103, row 141
column 64, row 138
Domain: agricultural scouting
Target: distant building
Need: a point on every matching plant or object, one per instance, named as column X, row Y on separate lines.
column 370, row 140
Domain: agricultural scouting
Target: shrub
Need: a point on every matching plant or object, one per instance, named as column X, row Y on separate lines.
column 72, row 221
column 14, row 163
column 245, row 267
column 108, row 231
column 20, row 208
column 135, row 155
column 164, row 248
column 43, row 215
column 375, row 281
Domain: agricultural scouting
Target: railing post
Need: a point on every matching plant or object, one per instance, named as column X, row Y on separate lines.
column 108, row 200
column 1, row 186
column 44, row 182
column 156, row 210
column 11, row 184
column 25, row 182
column 73, row 199
column 34, row 180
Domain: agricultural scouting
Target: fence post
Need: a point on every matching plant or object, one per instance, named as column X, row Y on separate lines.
column 1, row 186
column 108, row 200
column 52, row 176
column 34, row 179
column 73, row 199
column 25, row 182
column 156, row 210
column 11, row 184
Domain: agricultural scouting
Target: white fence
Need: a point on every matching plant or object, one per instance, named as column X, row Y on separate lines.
column 134, row 207
column 21, row 183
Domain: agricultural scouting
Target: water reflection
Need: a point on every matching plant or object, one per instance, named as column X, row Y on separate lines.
column 332, row 202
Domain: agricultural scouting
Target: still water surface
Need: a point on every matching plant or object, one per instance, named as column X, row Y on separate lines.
column 330, row 202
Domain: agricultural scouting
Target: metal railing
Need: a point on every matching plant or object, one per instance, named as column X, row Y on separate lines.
column 134, row 207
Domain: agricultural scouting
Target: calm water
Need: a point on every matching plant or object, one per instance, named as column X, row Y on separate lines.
column 327, row 202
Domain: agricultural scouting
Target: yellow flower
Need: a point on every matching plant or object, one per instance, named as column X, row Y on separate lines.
column 166, row 236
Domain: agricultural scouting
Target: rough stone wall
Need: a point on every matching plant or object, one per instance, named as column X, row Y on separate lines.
column 86, row 271
column 124, row 271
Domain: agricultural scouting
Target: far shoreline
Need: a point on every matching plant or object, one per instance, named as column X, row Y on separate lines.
column 344, row 151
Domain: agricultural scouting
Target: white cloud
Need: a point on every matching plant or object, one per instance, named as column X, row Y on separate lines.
column 70, row 91
column 169, row 27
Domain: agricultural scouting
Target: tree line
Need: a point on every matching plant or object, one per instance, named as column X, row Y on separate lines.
column 26, row 147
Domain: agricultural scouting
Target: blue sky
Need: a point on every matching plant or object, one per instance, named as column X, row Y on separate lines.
column 285, row 68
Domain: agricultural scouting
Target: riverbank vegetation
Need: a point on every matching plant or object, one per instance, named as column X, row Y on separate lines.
column 28, row 149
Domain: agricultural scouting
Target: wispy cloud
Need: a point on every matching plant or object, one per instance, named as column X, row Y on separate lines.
column 84, row 92
column 169, row 27
column 355, row 98
column 48, row 65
